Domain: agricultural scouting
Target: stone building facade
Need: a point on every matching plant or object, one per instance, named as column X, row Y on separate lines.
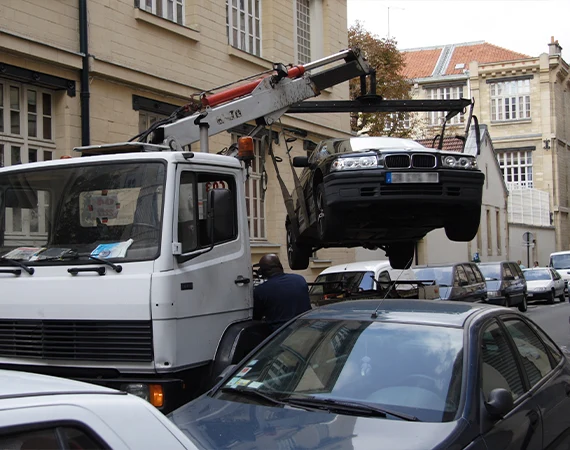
column 78, row 72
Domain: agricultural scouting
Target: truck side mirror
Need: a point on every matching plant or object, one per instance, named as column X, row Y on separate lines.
column 300, row 161
column 221, row 215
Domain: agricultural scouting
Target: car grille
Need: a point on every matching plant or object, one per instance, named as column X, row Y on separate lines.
column 423, row 190
column 424, row 161
column 397, row 161
column 90, row 340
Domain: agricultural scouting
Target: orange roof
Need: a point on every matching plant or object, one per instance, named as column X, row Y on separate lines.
column 450, row 144
column 421, row 63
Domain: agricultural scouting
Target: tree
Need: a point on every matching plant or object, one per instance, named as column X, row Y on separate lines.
column 383, row 55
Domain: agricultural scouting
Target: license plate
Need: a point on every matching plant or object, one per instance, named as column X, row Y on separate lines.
column 412, row 177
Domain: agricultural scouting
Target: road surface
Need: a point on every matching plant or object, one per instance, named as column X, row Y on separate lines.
column 554, row 319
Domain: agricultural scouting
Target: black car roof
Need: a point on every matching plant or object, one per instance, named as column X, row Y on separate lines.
column 427, row 266
column 490, row 263
column 428, row 312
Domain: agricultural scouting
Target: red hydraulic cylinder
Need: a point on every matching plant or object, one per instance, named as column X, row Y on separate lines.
column 244, row 89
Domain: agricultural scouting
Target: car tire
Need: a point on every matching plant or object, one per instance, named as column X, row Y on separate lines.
column 550, row 300
column 297, row 255
column 507, row 302
column 464, row 226
column 562, row 298
column 401, row 254
column 523, row 305
column 328, row 227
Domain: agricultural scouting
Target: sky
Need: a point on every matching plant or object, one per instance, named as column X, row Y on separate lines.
column 524, row 26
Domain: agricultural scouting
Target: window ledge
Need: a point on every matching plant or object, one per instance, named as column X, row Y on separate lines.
column 165, row 24
column 510, row 122
column 263, row 248
column 320, row 263
column 257, row 60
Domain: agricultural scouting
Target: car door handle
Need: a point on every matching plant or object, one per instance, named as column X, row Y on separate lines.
column 533, row 417
column 241, row 280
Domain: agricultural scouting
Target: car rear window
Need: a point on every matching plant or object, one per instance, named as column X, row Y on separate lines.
column 491, row 271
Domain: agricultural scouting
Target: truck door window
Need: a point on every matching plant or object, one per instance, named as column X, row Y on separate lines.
column 53, row 438
column 193, row 205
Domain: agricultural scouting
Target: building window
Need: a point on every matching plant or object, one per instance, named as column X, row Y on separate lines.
column 146, row 119
column 510, row 100
column 489, row 234
column 397, row 121
column 172, row 10
column 303, row 31
column 254, row 194
column 444, row 93
column 517, row 169
column 498, row 225
column 243, row 25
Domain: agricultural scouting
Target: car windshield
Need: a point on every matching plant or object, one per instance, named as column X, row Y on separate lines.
column 537, row 274
column 335, row 284
column 77, row 211
column 442, row 275
column 412, row 369
column 560, row 261
column 491, row 271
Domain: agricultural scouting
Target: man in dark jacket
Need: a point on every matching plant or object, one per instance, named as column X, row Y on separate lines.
column 280, row 298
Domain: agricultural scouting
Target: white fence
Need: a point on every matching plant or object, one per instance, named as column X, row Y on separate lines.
column 529, row 206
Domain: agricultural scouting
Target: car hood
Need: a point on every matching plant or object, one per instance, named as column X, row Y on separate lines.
column 221, row 424
column 536, row 284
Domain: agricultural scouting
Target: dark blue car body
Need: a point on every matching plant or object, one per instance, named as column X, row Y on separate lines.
column 539, row 418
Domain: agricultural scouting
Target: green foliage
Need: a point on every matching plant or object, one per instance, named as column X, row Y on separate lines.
column 383, row 55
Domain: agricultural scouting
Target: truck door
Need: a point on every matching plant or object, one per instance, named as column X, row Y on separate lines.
column 205, row 287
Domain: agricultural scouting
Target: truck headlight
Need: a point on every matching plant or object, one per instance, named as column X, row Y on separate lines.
column 459, row 162
column 152, row 393
column 354, row 162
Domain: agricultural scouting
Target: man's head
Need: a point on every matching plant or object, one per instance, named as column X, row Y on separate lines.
column 270, row 265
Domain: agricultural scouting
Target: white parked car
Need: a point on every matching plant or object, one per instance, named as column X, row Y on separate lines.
column 43, row 412
column 544, row 283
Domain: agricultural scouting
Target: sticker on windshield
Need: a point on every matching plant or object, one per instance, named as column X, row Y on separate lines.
column 242, row 382
column 232, row 382
column 243, row 371
column 255, row 384
column 253, row 362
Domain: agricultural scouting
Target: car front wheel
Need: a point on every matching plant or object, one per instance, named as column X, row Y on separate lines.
column 328, row 226
column 401, row 254
column 551, row 298
column 522, row 305
column 297, row 255
column 464, row 225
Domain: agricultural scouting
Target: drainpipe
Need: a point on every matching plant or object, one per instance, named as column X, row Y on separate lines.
column 84, row 95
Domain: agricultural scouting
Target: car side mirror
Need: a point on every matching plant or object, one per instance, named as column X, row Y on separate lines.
column 500, row 403
column 220, row 215
column 300, row 161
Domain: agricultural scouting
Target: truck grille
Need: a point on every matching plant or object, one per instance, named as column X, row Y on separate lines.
column 423, row 161
column 397, row 161
column 90, row 340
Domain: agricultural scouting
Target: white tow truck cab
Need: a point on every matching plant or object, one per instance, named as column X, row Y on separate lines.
column 153, row 321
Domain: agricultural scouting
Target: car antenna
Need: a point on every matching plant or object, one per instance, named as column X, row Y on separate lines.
column 374, row 315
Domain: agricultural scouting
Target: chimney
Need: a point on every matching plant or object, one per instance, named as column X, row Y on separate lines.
column 554, row 47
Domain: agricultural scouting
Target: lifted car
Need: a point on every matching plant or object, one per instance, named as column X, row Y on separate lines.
column 382, row 192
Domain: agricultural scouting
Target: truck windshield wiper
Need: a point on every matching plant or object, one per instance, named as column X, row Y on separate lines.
column 348, row 407
column 74, row 256
column 15, row 262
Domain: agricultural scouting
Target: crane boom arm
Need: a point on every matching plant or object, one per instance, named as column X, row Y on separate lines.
column 264, row 100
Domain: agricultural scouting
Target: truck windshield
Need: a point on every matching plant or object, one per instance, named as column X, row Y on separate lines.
column 102, row 210
column 560, row 261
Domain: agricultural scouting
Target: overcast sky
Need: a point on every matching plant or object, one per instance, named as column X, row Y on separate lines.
column 524, row 26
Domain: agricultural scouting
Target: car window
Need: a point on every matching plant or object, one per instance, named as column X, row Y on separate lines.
column 470, row 274
column 478, row 275
column 491, row 271
column 498, row 364
column 554, row 350
column 55, row 438
column 415, row 369
column 555, row 274
column 460, row 276
column 537, row 274
column 442, row 275
column 514, row 270
column 507, row 271
column 533, row 353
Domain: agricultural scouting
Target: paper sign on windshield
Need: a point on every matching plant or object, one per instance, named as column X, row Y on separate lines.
column 111, row 207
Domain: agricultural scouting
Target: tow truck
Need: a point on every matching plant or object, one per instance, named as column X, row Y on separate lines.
column 132, row 268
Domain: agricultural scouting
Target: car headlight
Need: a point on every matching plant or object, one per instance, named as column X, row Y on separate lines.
column 355, row 162
column 493, row 293
column 540, row 289
column 459, row 162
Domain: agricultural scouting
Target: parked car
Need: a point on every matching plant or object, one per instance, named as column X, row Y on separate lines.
column 544, row 283
column 457, row 281
column 382, row 192
column 344, row 280
column 393, row 374
column 506, row 284
column 40, row 412
column 560, row 261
